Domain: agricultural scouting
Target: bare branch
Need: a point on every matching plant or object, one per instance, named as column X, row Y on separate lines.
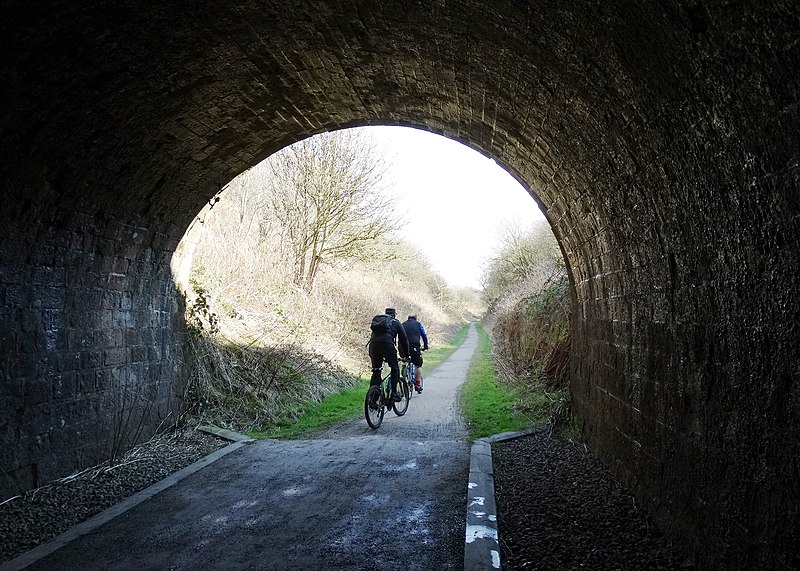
column 328, row 196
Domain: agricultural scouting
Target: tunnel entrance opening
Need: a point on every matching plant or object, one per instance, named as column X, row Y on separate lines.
column 661, row 139
column 371, row 208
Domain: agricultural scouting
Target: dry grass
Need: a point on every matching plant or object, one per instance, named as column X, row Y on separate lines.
column 532, row 336
column 247, row 386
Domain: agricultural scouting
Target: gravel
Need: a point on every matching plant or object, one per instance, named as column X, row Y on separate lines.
column 40, row 515
column 559, row 508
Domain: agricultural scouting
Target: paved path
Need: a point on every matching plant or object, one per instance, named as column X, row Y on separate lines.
column 353, row 499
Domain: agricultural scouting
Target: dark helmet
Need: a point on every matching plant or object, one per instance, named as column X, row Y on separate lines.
column 390, row 311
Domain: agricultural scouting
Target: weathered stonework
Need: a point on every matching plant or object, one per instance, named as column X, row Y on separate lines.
column 661, row 139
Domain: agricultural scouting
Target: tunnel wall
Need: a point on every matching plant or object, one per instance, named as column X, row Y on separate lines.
column 660, row 139
column 91, row 349
column 685, row 368
column 684, row 372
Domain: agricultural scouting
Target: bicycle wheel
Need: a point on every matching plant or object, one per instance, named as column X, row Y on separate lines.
column 405, row 377
column 401, row 407
column 373, row 407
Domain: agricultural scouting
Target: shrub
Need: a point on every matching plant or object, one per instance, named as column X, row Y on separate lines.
column 527, row 291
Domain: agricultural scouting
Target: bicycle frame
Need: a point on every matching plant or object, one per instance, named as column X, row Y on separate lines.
column 378, row 399
column 411, row 368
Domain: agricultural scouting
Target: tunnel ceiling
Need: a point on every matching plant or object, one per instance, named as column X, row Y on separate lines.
column 164, row 104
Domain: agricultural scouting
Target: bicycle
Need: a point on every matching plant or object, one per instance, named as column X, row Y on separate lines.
column 411, row 369
column 408, row 374
column 378, row 400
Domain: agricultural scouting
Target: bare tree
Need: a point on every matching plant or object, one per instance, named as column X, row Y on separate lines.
column 522, row 254
column 245, row 191
column 440, row 290
column 328, row 195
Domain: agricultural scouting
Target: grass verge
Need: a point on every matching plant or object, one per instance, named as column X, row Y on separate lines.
column 318, row 416
column 345, row 405
column 491, row 407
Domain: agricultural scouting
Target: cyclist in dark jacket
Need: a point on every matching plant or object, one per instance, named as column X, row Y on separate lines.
column 416, row 336
column 382, row 348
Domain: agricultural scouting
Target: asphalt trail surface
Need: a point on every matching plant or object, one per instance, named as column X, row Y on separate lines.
column 353, row 499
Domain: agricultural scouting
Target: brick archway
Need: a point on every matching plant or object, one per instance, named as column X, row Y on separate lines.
column 660, row 139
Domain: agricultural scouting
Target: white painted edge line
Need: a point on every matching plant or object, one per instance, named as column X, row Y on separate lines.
column 481, row 540
column 482, row 537
column 81, row 529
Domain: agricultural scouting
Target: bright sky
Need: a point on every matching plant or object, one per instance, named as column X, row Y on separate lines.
column 458, row 201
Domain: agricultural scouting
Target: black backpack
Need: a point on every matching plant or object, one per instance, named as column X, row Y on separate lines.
column 381, row 324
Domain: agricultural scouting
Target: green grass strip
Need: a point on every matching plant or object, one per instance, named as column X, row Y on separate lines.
column 332, row 410
column 488, row 406
column 346, row 405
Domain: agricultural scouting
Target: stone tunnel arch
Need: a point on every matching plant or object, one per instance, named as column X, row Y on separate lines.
column 660, row 137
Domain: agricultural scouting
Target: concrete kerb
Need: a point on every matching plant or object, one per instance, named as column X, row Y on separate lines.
column 81, row 529
column 226, row 434
column 482, row 541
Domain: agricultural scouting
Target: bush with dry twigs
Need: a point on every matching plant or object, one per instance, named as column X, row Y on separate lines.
column 527, row 290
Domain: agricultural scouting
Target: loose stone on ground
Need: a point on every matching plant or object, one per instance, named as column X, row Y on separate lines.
column 559, row 508
column 42, row 514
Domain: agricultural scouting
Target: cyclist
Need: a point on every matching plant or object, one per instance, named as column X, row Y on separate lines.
column 385, row 328
column 416, row 333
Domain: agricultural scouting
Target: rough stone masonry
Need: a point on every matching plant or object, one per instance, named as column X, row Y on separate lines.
column 661, row 139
